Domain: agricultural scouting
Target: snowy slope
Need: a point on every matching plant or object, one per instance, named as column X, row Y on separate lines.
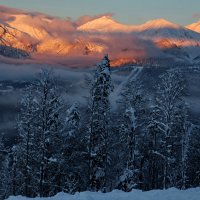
column 163, row 28
column 20, row 22
column 50, row 35
column 106, row 24
column 194, row 27
column 12, row 37
column 14, row 43
column 156, row 28
column 39, row 27
column 171, row 194
column 173, row 39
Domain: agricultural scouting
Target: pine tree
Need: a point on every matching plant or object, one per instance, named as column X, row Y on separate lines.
column 99, row 130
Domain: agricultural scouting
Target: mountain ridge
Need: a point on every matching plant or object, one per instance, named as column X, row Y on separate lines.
column 41, row 34
column 106, row 24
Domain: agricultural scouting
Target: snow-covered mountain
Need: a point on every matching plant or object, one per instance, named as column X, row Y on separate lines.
column 157, row 40
column 155, row 30
column 32, row 28
column 14, row 43
column 176, row 42
column 46, row 35
column 172, row 38
column 163, row 28
column 194, row 27
column 15, row 38
column 106, row 24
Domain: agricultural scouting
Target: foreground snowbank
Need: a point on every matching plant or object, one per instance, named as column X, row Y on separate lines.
column 171, row 194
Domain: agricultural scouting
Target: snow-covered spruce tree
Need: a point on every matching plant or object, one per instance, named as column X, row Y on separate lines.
column 72, row 120
column 132, row 125
column 168, row 107
column 99, row 129
column 72, row 151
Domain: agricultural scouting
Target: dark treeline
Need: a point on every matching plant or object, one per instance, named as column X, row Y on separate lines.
column 146, row 143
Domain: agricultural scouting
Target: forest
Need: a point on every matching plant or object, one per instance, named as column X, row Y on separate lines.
column 146, row 143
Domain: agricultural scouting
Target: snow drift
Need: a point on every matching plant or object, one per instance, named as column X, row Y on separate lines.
column 170, row 194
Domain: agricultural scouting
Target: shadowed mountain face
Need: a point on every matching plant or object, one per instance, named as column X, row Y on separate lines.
column 40, row 35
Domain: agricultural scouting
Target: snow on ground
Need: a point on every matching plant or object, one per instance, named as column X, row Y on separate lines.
column 170, row 194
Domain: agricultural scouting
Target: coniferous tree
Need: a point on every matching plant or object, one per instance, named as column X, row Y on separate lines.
column 59, row 150
column 99, row 130
column 72, row 150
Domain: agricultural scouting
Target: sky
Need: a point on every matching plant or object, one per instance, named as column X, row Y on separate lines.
column 125, row 11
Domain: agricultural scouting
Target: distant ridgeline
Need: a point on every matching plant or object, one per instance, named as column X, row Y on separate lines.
column 156, row 42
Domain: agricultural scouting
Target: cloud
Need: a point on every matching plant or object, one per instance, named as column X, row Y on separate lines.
column 196, row 15
column 4, row 9
column 15, row 11
column 130, row 46
column 6, row 13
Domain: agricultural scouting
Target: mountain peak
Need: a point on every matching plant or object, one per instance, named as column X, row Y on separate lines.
column 106, row 17
column 108, row 24
column 98, row 23
column 160, row 23
column 105, row 24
